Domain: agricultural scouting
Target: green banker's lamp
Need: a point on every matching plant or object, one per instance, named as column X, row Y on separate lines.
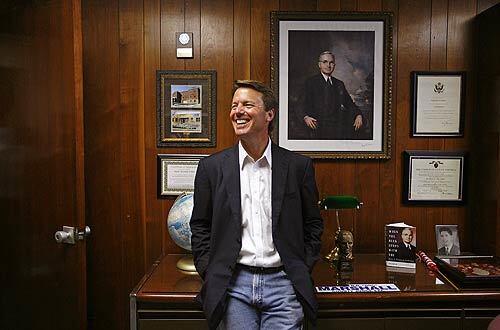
column 344, row 239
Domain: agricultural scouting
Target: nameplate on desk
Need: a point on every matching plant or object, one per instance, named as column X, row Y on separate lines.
column 356, row 288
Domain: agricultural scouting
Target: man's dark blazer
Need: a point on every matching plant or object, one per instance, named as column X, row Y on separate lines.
column 331, row 105
column 405, row 253
column 216, row 225
column 454, row 251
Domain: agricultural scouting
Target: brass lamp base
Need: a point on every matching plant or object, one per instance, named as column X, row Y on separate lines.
column 186, row 264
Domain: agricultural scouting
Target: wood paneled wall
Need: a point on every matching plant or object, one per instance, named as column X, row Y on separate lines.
column 232, row 37
column 126, row 41
column 114, row 163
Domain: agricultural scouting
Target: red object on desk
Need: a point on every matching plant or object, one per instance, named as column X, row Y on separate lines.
column 427, row 261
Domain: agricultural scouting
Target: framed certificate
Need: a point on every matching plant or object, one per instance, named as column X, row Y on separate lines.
column 433, row 177
column 176, row 174
column 438, row 100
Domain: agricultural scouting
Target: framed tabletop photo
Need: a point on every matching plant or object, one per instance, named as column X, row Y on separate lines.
column 438, row 103
column 447, row 240
column 332, row 72
column 433, row 177
column 186, row 108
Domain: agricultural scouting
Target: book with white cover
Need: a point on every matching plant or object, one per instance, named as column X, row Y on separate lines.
column 400, row 245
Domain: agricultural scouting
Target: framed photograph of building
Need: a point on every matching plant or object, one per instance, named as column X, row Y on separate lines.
column 186, row 108
column 332, row 73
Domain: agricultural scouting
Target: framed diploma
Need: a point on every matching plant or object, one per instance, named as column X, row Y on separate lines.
column 438, row 100
column 176, row 174
column 433, row 177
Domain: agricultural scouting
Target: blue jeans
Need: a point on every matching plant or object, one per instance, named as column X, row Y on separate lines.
column 261, row 300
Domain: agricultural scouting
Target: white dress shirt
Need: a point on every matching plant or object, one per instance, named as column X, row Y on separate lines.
column 257, row 247
column 328, row 79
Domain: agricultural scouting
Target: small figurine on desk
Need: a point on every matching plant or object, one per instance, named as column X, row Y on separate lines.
column 345, row 242
column 341, row 255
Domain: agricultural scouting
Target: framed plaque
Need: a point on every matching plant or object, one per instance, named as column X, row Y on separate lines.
column 186, row 108
column 438, row 102
column 433, row 177
column 176, row 174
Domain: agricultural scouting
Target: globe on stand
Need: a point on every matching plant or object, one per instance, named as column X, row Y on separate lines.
column 179, row 230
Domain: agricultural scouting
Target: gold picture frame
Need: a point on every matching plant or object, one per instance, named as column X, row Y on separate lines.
column 176, row 173
column 186, row 108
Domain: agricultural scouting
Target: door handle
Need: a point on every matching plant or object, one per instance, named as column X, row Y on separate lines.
column 84, row 233
column 69, row 235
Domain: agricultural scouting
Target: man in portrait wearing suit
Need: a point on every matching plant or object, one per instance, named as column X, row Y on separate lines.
column 406, row 251
column 328, row 110
column 448, row 248
column 256, row 227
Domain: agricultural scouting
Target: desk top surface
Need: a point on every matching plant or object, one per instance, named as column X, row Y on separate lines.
column 165, row 282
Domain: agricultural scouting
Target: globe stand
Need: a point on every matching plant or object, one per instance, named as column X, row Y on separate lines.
column 186, row 264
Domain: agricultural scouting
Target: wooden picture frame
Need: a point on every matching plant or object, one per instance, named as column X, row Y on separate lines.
column 186, row 108
column 362, row 47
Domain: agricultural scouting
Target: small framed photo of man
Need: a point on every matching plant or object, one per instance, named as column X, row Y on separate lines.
column 332, row 72
column 447, row 240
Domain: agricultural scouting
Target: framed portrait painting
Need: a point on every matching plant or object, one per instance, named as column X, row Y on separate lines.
column 186, row 108
column 332, row 72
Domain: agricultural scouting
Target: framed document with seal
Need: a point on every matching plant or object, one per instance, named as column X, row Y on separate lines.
column 438, row 100
column 176, row 174
column 433, row 177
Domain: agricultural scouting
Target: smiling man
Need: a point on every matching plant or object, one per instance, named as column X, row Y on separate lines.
column 256, row 228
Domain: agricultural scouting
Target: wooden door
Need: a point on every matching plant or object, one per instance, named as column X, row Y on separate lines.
column 41, row 165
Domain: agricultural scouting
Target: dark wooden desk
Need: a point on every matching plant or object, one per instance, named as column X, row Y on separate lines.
column 164, row 300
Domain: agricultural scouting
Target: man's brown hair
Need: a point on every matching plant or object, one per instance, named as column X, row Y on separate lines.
column 268, row 97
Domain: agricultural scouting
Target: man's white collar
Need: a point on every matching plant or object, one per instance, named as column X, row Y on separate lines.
column 243, row 154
